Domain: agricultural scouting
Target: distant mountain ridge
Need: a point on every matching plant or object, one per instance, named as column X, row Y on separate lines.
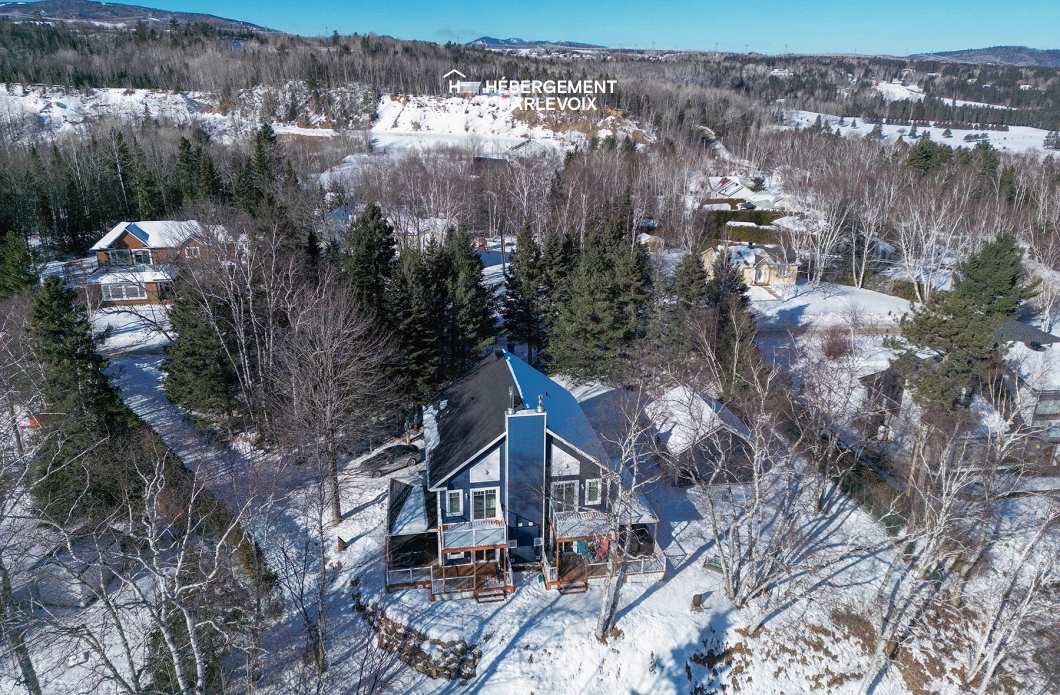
column 492, row 42
column 1000, row 55
column 116, row 14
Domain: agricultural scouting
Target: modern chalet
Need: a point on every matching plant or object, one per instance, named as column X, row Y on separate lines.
column 515, row 476
column 135, row 261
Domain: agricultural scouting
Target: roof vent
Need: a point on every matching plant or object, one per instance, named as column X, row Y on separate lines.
column 511, row 400
column 540, row 402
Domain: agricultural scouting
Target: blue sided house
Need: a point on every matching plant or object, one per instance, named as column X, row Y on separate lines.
column 515, row 476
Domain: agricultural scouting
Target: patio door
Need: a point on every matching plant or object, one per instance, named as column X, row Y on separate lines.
column 565, row 496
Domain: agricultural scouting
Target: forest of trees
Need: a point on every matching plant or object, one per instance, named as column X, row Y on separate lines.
column 322, row 319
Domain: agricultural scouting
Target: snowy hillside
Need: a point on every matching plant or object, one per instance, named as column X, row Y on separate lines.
column 1017, row 139
column 897, row 91
column 495, row 117
column 33, row 112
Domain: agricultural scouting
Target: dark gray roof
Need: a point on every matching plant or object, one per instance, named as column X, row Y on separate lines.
column 1019, row 332
column 468, row 416
column 410, row 508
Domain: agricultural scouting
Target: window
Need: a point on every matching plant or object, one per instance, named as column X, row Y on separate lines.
column 141, row 256
column 484, row 504
column 119, row 257
column 513, row 543
column 457, row 558
column 120, row 291
column 592, row 491
column 490, row 555
column 454, row 502
column 565, row 496
column 538, row 542
column 191, row 252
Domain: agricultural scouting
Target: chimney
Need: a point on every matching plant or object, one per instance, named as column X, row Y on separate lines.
column 540, row 402
column 511, row 400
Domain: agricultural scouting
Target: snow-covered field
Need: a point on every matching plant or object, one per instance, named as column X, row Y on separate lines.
column 896, row 91
column 1017, row 139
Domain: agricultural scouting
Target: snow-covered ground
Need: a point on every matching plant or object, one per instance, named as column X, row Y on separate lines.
column 50, row 111
column 491, row 116
column 827, row 305
column 896, row 91
column 1016, row 139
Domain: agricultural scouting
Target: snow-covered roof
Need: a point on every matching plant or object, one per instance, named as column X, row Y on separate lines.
column 587, row 523
column 745, row 254
column 408, row 510
column 683, row 417
column 111, row 275
column 155, row 234
column 728, row 187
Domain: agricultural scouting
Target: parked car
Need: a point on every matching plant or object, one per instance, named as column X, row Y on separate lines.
column 390, row 459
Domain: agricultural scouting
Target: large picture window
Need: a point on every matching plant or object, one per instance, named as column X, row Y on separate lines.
column 119, row 291
column 484, row 504
column 565, row 496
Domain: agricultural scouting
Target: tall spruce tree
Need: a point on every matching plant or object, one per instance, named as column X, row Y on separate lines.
column 958, row 327
column 199, row 375
column 524, row 305
column 368, row 257
column 17, row 271
column 600, row 318
column 690, row 281
column 412, row 308
column 559, row 259
column 469, row 306
column 84, row 424
column 729, row 327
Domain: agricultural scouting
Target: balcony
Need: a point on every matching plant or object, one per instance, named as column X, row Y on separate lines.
column 481, row 533
column 483, row 580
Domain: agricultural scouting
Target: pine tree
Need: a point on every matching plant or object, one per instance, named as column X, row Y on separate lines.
column 729, row 326
column 559, row 259
column 412, row 310
column 690, row 281
column 524, row 307
column 83, row 422
column 199, row 375
column 469, row 323
column 959, row 326
column 17, row 271
column 368, row 246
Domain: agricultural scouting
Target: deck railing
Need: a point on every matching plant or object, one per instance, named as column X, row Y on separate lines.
column 410, row 575
column 441, row 583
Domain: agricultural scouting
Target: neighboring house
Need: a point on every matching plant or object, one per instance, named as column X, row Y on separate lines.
column 727, row 190
column 701, row 439
column 651, row 242
column 135, row 261
column 756, row 265
column 1034, row 370
column 515, row 475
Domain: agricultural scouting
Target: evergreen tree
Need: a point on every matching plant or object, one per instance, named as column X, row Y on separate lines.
column 188, row 170
column 690, row 281
column 524, row 306
column 729, row 326
column 199, row 375
column 959, row 326
column 603, row 313
column 368, row 246
column 83, row 422
column 469, row 320
column 17, row 271
column 558, row 259
column 412, row 309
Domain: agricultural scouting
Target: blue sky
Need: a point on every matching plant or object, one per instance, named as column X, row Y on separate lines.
column 769, row 26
